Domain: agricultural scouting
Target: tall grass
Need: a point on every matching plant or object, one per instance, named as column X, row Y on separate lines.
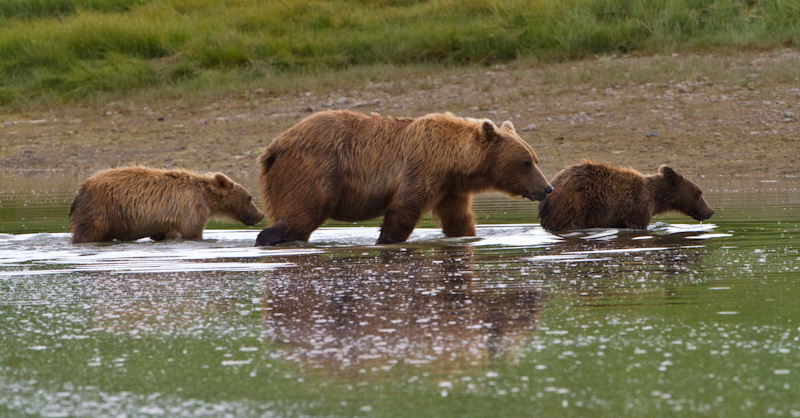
column 27, row 9
column 72, row 50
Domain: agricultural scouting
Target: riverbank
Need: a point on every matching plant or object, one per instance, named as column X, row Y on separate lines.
column 703, row 115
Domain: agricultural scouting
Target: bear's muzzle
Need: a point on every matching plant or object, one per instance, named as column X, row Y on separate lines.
column 539, row 196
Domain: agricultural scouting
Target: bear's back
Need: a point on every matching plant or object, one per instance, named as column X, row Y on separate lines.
column 141, row 184
column 592, row 195
column 143, row 196
column 599, row 179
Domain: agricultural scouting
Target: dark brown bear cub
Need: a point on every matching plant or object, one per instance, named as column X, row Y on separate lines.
column 136, row 202
column 596, row 195
column 352, row 167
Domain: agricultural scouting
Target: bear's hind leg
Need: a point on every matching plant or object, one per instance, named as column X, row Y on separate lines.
column 456, row 216
column 398, row 224
column 191, row 233
column 92, row 230
column 638, row 222
column 172, row 234
column 80, row 235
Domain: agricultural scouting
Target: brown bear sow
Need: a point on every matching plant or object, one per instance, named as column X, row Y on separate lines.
column 596, row 195
column 352, row 167
column 136, row 202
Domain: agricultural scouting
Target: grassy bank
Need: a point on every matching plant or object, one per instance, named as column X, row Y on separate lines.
column 55, row 51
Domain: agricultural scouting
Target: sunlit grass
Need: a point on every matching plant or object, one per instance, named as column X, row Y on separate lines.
column 67, row 51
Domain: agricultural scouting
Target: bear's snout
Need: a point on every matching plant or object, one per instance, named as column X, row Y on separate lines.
column 702, row 216
column 252, row 219
column 539, row 195
column 704, row 211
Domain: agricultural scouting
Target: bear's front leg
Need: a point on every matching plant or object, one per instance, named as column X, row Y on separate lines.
column 455, row 214
column 638, row 220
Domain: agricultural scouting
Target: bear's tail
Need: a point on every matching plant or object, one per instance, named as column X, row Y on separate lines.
column 73, row 225
column 73, row 206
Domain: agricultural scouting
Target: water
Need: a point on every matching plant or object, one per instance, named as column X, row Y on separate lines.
column 686, row 318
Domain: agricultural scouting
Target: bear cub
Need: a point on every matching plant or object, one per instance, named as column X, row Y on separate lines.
column 352, row 167
column 137, row 202
column 597, row 195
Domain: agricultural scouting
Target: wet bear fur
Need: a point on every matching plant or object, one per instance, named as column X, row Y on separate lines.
column 597, row 195
column 136, row 202
column 352, row 167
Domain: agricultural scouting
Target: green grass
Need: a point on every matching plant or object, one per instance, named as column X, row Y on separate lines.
column 69, row 51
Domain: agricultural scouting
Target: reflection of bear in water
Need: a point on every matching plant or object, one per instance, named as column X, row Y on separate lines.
column 352, row 167
column 596, row 195
column 411, row 307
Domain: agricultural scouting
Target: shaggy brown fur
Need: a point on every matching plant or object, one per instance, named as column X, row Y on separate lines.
column 136, row 202
column 353, row 167
column 597, row 195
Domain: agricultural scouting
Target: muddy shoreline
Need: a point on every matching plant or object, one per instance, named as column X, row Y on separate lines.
column 702, row 115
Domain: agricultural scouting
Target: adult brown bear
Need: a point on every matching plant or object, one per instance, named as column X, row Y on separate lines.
column 352, row 167
column 136, row 202
column 597, row 195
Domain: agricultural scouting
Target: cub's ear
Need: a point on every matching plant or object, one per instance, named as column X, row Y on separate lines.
column 670, row 174
column 223, row 181
column 507, row 125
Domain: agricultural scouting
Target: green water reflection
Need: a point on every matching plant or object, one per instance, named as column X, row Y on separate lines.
column 639, row 324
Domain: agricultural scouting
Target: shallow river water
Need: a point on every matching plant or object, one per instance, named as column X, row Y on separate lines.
column 686, row 318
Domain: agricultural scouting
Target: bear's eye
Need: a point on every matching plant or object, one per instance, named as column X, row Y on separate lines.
column 527, row 163
column 249, row 199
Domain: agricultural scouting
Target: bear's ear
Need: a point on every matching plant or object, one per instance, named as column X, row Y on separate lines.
column 670, row 174
column 507, row 125
column 490, row 131
column 223, row 181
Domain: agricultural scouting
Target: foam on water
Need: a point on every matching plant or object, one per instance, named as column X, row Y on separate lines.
column 514, row 235
column 37, row 254
column 680, row 228
column 232, row 250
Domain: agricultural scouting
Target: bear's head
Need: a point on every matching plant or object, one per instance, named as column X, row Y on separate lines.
column 514, row 167
column 235, row 201
column 687, row 198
